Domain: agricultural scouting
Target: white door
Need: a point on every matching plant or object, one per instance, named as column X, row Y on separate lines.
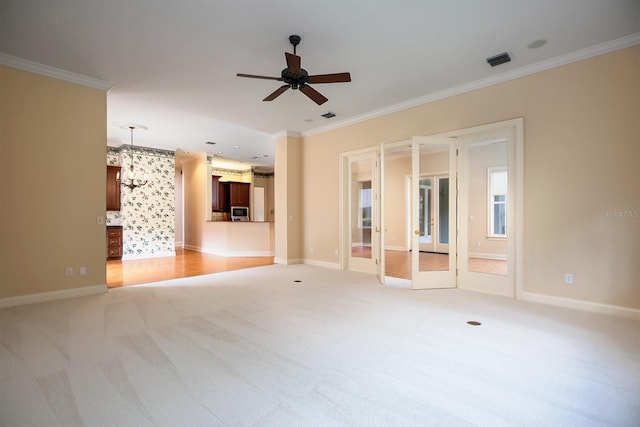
column 361, row 184
column 433, row 270
column 488, row 193
column 434, row 213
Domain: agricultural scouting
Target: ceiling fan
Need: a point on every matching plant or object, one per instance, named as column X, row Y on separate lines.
column 296, row 77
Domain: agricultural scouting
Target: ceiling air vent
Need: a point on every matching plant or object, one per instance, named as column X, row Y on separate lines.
column 210, row 143
column 499, row 59
column 328, row 115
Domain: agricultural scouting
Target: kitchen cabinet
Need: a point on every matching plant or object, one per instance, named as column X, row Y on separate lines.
column 219, row 195
column 114, row 242
column 239, row 194
column 113, row 188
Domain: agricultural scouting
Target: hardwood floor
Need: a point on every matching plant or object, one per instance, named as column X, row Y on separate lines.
column 189, row 263
column 398, row 263
column 186, row 263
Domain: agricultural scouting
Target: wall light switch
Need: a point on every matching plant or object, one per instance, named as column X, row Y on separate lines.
column 83, row 270
column 69, row 271
column 100, row 220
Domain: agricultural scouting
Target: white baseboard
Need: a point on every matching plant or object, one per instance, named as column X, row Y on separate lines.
column 145, row 256
column 396, row 248
column 230, row 253
column 498, row 257
column 324, row 264
column 285, row 261
column 54, row 295
column 594, row 307
column 179, row 245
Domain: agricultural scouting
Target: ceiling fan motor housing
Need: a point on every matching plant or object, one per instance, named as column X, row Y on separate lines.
column 294, row 80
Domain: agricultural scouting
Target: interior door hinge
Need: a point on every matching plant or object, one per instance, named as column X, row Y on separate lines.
column 376, row 261
column 456, row 151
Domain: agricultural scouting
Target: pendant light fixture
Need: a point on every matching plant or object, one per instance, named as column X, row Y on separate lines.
column 130, row 180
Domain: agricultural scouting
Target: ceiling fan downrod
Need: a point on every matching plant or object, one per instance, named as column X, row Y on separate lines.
column 295, row 41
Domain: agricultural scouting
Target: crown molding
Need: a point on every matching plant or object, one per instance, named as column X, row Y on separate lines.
column 579, row 55
column 286, row 134
column 56, row 73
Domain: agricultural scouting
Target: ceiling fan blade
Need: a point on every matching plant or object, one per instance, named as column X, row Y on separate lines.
column 293, row 63
column 316, row 96
column 253, row 76
column 276, row 93
column 330, row 78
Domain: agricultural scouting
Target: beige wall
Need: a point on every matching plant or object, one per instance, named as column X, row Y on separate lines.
column 581, row 157
column 52, row 184
column 196, row 201
column 288, row 200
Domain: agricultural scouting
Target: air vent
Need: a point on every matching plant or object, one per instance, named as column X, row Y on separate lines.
column 499, row 59
column 210, row 143
column 328, row 115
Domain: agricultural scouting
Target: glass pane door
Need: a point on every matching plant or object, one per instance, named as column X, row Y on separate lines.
column 433, row 213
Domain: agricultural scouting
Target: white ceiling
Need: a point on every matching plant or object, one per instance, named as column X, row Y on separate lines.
column 173, row 63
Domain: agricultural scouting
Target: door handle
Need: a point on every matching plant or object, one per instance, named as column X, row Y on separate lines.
column 419, row 233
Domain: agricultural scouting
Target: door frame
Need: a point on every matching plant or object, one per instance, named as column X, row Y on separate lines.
column 515, row 247
column 365, row 265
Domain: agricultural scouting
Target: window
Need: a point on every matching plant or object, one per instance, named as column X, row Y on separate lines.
column 365, row 204
column 497, row 215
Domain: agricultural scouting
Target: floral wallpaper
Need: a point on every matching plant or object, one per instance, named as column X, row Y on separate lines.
column 147, row 213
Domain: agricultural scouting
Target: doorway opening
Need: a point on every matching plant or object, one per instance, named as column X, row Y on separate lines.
column 455, row 198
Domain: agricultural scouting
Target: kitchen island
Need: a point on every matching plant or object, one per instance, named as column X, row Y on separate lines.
column 236, row 239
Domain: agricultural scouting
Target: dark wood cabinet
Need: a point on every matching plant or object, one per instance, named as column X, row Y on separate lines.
column 239, row 194
column 219, row 195
column 226, row 194
column 113, row 188
column 114, row 242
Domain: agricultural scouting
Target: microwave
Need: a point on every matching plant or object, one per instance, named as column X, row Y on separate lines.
column 239, row 213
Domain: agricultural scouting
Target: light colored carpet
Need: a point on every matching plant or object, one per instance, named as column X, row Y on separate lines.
column 253, row 347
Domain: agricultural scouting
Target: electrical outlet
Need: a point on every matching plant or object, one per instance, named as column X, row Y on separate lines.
column 336, row 252
column 311, row 249
column 69, row 271
column 568, row 278
column 100, row 220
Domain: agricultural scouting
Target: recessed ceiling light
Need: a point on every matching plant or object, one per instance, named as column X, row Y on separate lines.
column 237, row 147
column 538, row 43
column 308, row 120
column 219, row 152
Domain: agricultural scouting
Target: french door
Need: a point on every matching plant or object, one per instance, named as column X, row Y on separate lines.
column 450, row 206
column 434, row 214
column 432, row 202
